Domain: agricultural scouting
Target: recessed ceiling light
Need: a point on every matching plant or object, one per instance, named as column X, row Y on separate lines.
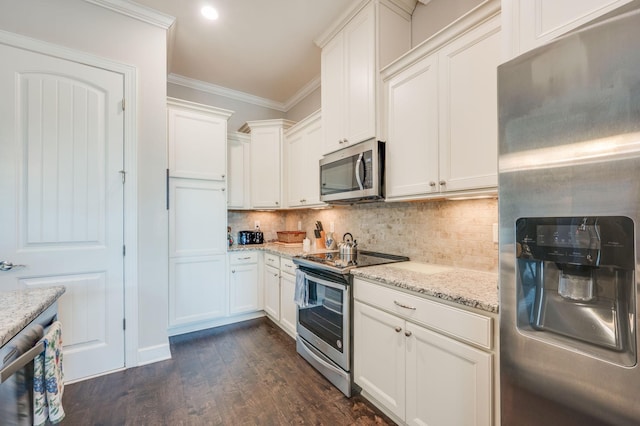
column 209, row 13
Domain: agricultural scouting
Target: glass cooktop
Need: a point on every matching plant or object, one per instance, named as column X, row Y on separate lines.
column 333, row 260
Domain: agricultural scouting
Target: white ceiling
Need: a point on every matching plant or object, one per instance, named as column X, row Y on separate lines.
column 264, row 48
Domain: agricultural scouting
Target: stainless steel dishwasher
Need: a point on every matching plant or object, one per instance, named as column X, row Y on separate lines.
column 16, row 370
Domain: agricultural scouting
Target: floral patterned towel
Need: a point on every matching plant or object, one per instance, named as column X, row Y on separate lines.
column 48, row 379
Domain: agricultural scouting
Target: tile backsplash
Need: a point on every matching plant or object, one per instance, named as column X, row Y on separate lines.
column 455, row 233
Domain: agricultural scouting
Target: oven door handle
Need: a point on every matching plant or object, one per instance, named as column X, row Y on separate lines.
column 337, row 286
column 21, row 361
column 311, row 352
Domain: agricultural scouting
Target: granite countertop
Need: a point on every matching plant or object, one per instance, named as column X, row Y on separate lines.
column 470, row 288
column 19, row 307
column 278, row 249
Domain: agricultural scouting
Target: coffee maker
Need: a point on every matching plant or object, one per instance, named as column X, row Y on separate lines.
column 575, row 284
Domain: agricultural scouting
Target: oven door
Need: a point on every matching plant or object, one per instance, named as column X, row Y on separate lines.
column 325, row 322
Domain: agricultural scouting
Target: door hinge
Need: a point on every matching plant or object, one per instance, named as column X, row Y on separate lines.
column 124, row 250
column 124, row 323
column 123, row 104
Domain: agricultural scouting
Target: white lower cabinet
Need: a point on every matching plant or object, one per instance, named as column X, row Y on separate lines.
column 279, row 289
column 272, row 292
column 416, row 374
column 198, row 291
column 244, row 289
column 288, row 308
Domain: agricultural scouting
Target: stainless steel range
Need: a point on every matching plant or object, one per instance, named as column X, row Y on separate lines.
column 324, row 323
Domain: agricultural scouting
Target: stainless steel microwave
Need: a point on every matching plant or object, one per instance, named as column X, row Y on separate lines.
column 353, row 174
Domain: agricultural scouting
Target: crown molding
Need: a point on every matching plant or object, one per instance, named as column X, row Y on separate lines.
column 305, row 91
column 214, row 89
column 137, row 11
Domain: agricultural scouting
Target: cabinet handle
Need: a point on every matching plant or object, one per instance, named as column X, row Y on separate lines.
column 407, row 333
column 442, row 182
column 404, row 306
column 432, row 183
column 246, row 258
column 398, row 329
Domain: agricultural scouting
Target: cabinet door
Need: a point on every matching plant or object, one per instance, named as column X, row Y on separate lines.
column 197, row 218
column 272, row 292
column 288, row 308
column 379, row 356
column 304, row 147
column 448, row 382
column 360, row 76
column 468, row 112
column 197, row 289
column 412, row 140
column 265, row 167
column 238, row 168
column 197, row 144
column 332, row 88
column 539, row 21
column 243, row 289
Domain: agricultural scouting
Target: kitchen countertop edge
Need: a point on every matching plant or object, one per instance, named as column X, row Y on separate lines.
column 475, row 289
column 19, row 307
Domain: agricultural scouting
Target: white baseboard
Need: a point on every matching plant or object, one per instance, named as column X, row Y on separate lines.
column 203, row 325
column 153, row 354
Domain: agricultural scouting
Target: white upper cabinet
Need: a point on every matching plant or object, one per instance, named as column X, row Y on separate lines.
column 197, row 139
column 531, row 23
column 412, row 134
column 238, row 170
column 353, row 51
column 441, row 111
column 266, row 162
column 469, row 109
column 303, row 153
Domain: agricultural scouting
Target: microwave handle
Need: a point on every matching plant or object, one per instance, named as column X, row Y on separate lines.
column 358, row 178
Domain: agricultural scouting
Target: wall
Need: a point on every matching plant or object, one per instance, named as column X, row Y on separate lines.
column 455, row 233
column 242, row 111
column 437, row 14
column 82, row 26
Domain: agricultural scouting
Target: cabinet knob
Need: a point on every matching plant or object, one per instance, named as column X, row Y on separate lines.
column 346, row 140
column 407, row 333
column 233, row 271
column 277, row 203
column 341, row 141
column 275, row 275
column 398, row 329
column 222, row 176
column 222, row 189
column 443, row 182
column 432, row 183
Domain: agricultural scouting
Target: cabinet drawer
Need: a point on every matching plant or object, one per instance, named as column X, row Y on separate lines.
column 464, row 325
column 272, row 260
column 243, row 257
column 287, row 265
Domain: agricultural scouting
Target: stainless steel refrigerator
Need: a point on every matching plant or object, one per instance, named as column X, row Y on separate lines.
column 569, row 203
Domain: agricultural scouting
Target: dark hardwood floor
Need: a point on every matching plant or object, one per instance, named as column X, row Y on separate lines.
column 242, row 374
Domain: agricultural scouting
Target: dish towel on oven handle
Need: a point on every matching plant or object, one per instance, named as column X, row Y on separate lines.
column 301, row 294
column 48, row 379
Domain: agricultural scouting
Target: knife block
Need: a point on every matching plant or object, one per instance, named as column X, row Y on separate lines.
column 320, row 241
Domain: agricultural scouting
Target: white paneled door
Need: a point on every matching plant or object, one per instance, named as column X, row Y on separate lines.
column 61, row 190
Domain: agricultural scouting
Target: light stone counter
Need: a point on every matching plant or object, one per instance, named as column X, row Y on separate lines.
column 470, row 288
column 277, row 249
column 19, row 307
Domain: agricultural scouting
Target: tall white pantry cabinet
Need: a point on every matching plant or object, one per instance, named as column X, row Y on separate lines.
column 196, row 180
